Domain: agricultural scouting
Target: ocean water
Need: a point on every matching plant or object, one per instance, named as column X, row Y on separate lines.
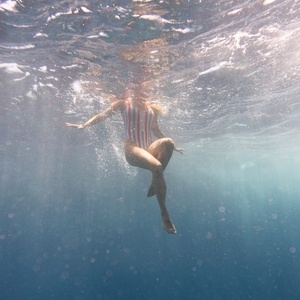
column 75, row 222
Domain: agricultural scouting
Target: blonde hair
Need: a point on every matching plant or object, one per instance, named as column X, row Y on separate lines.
column 160, row 110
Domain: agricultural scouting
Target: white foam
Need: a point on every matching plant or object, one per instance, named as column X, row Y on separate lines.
column 215, row 68
column 234, row 12
column 267, row 2
column 8, row 6
column 11, row 68
column 19, row 47
column 25, row 76
column 85, row 9
column 43, row 69
column 41, row 35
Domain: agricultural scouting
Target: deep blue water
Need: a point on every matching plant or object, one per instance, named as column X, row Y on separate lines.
column 75, row 222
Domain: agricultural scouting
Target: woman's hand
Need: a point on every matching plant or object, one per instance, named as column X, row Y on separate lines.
column 180, row 150
column 78, row 126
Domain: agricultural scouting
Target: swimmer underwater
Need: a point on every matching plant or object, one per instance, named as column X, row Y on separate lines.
column 140, row 120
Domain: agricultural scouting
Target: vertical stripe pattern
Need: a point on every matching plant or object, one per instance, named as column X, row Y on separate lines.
column 138, row 125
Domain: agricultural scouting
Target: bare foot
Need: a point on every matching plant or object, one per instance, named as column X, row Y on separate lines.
column 168, row 225
column 151, row 191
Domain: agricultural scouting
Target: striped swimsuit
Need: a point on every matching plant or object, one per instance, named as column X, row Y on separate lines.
column 138, row 125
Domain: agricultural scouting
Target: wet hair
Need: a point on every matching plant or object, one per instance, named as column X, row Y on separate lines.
column 160, row 110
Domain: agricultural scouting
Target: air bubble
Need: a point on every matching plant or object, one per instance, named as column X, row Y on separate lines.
column 221, row 209
column 199, row 262
column 208, row 235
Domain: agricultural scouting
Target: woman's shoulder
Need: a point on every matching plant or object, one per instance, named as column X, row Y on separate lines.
column 118, row 105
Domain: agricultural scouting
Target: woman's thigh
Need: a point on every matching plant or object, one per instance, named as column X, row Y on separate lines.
column 161, row 145
column 139, row 157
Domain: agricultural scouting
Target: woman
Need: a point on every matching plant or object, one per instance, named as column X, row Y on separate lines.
column 140, row 119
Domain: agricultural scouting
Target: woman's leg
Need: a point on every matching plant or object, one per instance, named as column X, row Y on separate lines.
column 141, row 158
column 162, row 150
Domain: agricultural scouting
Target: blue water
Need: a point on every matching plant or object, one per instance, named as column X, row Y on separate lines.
column 75, row 222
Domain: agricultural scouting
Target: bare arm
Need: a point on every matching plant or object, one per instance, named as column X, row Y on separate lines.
column 155, row 128
column 159, row 134
column 116, row 106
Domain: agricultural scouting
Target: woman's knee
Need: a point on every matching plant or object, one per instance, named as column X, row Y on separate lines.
column 157, row 168
column 169, row 143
